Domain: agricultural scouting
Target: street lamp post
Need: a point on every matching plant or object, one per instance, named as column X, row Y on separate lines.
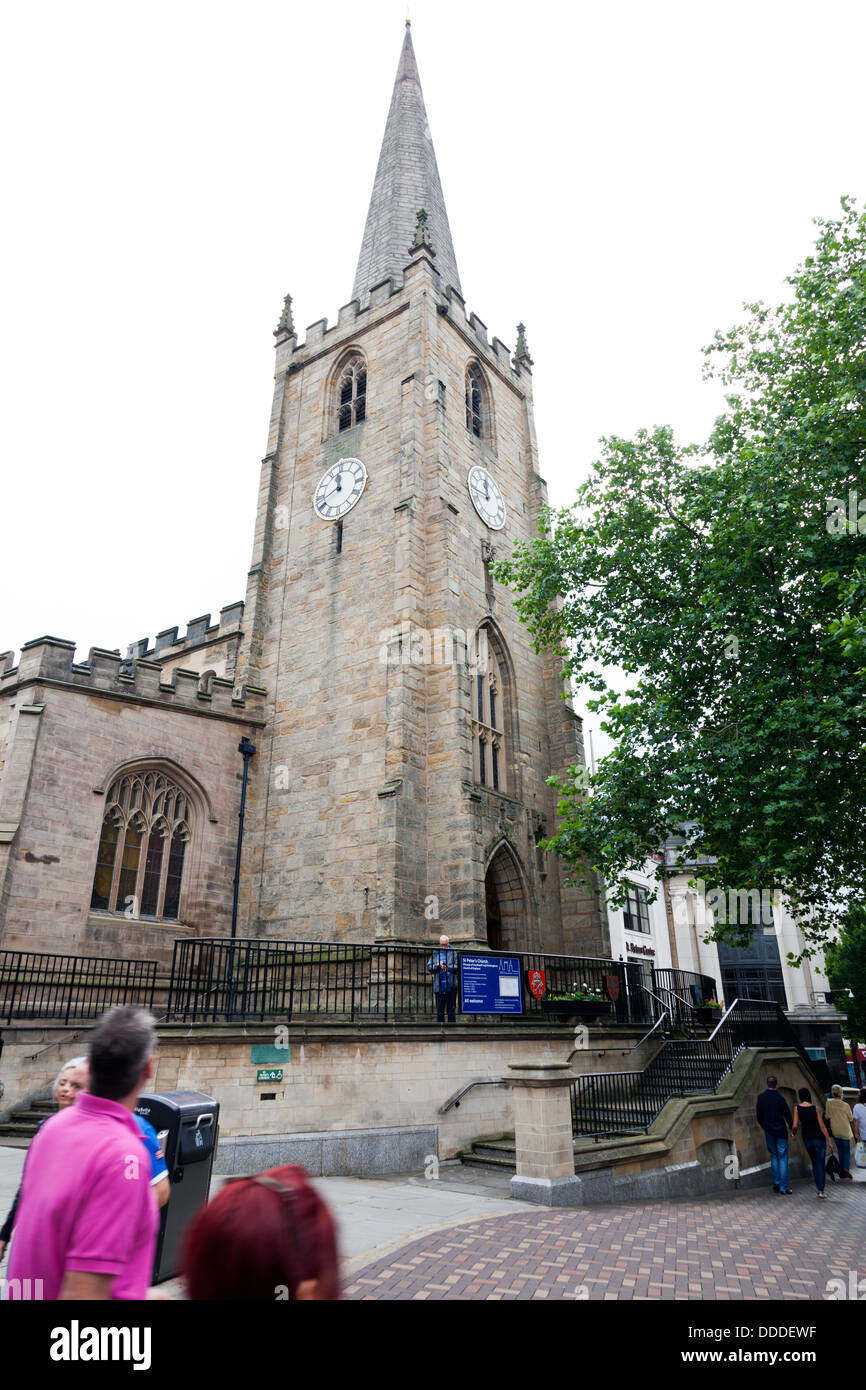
column 246, row 748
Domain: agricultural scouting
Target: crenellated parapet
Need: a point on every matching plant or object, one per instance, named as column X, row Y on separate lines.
column 51, row 661
column 388, row 297
column 199, row 632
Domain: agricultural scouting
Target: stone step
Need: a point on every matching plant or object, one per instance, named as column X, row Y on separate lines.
column 495, row 1151
column 28, row 1117
column 12, row 1130
column 472, row 1160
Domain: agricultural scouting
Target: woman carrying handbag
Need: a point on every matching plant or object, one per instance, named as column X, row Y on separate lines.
column 809, row 1118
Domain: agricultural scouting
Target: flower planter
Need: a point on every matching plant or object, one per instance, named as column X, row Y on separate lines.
column 584, row 1009
column 708, row 1018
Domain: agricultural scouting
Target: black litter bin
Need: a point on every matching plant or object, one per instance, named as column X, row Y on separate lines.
column 187, row 1124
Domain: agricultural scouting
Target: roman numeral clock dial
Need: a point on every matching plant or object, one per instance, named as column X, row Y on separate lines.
column 486, row 498
column 339, row 489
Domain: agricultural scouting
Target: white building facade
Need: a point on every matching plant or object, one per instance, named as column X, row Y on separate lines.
column 761, row 969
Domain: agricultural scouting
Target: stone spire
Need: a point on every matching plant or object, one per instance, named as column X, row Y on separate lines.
column 407, row 179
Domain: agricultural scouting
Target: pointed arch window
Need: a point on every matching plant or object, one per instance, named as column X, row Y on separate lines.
column 352, row 394
column 145, row 831
column 475, row 411
column 488, row 722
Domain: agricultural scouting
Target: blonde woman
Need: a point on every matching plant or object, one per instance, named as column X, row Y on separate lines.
column 71, row 1080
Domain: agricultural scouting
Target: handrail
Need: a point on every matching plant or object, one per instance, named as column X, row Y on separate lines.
column 689, row 1022
column 682, row 1067
column 657, row 1024
column 682, row 1000
column 652, row 994
column 785, row 1023
column 454, row 1101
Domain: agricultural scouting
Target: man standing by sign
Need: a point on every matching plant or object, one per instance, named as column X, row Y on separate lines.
column 442, row 965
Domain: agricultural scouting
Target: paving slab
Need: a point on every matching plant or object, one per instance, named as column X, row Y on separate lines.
column 462, row 1236
column 740, row 1246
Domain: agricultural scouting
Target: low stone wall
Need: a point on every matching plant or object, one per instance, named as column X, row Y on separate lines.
column 345, row 1153
column 335, row 1078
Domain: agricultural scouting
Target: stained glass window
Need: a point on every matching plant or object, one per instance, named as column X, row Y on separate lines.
column 142, row 847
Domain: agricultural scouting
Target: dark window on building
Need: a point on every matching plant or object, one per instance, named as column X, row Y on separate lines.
column 636, row 909
column 474, row 403
column 139, row 865
column 352, row 395
column 487, row 728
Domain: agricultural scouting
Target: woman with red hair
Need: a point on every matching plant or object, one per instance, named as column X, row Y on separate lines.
column 262, row 1239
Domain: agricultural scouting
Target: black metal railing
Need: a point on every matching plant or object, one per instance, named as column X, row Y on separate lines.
column 34, row 984
column 614, row 1102
column 217, row 978
column 682, row 992
column 622, row 1102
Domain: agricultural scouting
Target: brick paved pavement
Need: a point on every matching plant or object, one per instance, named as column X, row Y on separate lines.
column 744, row 1246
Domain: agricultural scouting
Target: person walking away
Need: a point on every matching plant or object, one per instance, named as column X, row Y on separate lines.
column 815, row 1136
column 71, row 1080
column 839, row 1118
column 442, row 965
column 87, row 1220
column 774, row 1116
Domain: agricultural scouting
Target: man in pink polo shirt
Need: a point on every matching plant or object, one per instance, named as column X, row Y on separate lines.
column 87, row 1218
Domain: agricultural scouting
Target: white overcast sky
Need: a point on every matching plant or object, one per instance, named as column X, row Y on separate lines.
column 620, row 176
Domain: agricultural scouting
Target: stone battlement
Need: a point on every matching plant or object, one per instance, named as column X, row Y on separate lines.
column 52, row 659
column 198, row 632
column 352, row 319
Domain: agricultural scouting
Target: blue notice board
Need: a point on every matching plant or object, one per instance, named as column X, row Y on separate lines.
column 490, row 985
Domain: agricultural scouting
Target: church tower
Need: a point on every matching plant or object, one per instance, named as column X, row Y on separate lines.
column 399, row 788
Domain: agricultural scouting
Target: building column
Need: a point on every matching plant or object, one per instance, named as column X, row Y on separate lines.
column 542, row 1133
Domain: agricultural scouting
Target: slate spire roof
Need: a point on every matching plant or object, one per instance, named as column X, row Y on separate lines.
column 407, row 180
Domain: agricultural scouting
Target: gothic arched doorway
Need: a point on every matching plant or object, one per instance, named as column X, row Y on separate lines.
column 506, row 914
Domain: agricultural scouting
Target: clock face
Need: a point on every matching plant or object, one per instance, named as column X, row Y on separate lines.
column 339, row 489
column 486, row 498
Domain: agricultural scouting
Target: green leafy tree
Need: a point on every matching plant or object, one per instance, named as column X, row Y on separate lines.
column 727, row 581
column 846, row 970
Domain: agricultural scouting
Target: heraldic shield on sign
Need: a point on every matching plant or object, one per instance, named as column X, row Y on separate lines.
column 611, row 984
column 537, row 983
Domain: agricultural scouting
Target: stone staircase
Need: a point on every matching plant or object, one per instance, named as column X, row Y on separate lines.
column 498, row 1151
column 17, row 1131
column 611, row 1104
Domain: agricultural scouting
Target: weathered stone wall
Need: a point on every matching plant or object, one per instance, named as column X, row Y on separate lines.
column 363, row 807
column 334, row 1079
column 72, row 728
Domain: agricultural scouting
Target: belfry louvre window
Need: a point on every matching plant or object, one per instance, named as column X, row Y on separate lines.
column 488, row 736
column 352, row 394
column 637, row 909
column 474, row 402
column 145, row 833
